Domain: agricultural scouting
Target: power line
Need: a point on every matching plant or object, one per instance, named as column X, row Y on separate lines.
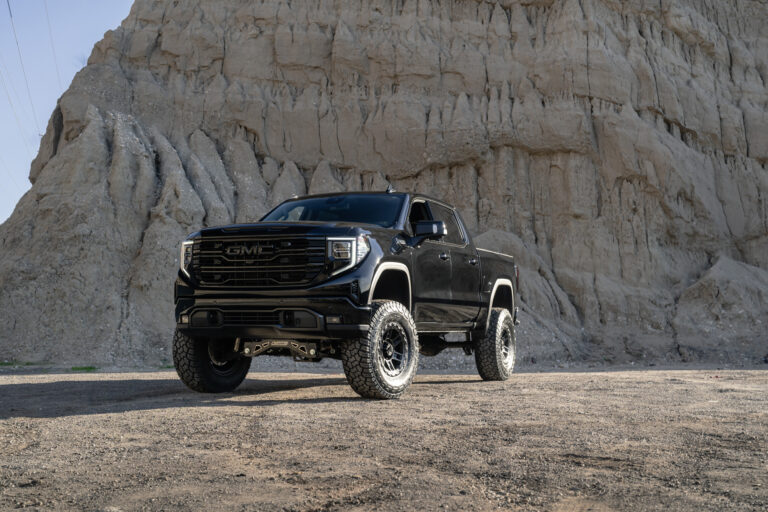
column 23, row 70
column 53, row 46
column 10, row 175
column 15, row 114
column 4, row 67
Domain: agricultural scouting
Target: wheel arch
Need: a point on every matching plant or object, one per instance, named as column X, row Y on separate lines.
column 502, row 296
column 391, row 288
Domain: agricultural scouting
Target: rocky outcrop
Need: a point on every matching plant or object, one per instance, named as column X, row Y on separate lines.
column 619, row 149
column 720, row 313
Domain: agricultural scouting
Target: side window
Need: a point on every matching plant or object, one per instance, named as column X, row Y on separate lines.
column 419, row 212
column 446, row 215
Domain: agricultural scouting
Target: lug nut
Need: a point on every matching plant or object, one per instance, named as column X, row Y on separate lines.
column 247, row 350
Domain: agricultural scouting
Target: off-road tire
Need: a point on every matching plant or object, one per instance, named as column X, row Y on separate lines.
column 196, row 368
column 369, row 369
column 490, row 350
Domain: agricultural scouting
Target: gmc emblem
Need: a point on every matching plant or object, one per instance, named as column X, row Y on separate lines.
column 243, row 250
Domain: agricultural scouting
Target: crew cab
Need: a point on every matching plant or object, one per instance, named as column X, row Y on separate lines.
column 375, row 279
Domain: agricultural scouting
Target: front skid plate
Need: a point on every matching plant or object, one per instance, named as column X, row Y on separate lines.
column 302, row 349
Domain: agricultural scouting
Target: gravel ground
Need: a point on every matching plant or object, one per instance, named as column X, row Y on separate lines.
column 569, row 440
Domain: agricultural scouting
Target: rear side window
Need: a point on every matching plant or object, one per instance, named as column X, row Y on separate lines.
column 446, row 215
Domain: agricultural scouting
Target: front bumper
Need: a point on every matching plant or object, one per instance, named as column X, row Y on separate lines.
column 297, row 318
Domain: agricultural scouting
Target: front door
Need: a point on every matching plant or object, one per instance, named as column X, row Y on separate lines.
column 432, row 284
column 431, row 275
column 465, row 268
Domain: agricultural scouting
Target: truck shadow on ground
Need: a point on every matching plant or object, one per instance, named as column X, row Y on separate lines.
column 66, row 397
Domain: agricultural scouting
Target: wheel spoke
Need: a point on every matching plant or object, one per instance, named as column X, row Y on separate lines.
column 507, row 348
column 394, row 353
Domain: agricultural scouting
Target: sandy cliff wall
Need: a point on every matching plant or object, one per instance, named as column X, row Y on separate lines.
column 618, row 148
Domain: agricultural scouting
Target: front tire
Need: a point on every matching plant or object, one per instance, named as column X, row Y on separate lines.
column 208, row 366
column 383, row 364
column 495, row 353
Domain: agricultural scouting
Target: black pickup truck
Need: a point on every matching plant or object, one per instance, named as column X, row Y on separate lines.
column 373, row 279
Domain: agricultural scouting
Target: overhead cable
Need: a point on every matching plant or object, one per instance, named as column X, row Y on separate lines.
column 10, row 175
column 15, row 114
column 23, row 70
column 53, row 46
column 16, row 96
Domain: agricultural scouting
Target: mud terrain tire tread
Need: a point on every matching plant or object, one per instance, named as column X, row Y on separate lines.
column 488, row 350
column 358, row 357
column 192, row 363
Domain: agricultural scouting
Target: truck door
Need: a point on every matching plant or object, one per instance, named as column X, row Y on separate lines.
column 431, row 279
column 465, row 267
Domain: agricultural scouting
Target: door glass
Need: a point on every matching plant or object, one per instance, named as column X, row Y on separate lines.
column 446, row 215
column 419, row 212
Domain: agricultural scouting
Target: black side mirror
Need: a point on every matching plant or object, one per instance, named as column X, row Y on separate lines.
column 430, row 230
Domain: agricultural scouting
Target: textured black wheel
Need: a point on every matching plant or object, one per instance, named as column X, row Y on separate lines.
column 495, row 353
column 208, row 366
column 383, row 364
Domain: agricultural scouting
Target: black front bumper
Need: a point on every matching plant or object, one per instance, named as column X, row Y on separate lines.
column 297, row 318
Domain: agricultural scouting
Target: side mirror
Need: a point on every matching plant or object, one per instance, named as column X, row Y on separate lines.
column 430, row 230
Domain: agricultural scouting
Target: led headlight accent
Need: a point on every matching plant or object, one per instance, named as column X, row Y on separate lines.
column 345, row 253
column 341, row 249
column 185, row 256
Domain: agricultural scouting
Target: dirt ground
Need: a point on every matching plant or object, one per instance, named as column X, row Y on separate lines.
column 611, row 440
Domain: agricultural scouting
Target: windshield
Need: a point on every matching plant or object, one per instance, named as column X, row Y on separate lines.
column 378, row 209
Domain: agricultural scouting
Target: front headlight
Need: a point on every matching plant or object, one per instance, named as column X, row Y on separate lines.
column 341, row 249
column 345, row 253
column 185, row 256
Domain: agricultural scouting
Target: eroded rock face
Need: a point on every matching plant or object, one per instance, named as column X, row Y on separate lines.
column 618, row 149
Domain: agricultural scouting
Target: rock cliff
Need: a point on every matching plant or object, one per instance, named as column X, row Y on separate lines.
column 617, row 148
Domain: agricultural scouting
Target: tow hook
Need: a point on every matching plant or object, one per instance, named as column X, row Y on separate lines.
column 515, row 319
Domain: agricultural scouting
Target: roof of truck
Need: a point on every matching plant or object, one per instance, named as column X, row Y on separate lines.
column 372, row 192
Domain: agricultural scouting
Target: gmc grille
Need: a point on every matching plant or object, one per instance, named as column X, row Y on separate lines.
column 250, row 262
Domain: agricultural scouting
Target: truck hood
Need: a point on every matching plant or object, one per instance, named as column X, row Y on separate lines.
column 304, row 228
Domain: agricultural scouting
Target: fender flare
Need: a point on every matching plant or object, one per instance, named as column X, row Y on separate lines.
column 499, row 282
column 391, row 266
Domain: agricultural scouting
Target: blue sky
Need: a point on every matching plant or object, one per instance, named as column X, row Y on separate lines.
column 76, row 25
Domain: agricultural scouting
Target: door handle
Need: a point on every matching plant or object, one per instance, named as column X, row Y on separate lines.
column 473, row 261
column 444, row 256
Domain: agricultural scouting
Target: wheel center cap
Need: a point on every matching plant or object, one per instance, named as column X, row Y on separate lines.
column 388, row 350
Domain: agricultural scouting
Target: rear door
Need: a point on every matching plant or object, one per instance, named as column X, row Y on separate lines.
column 465, row 267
